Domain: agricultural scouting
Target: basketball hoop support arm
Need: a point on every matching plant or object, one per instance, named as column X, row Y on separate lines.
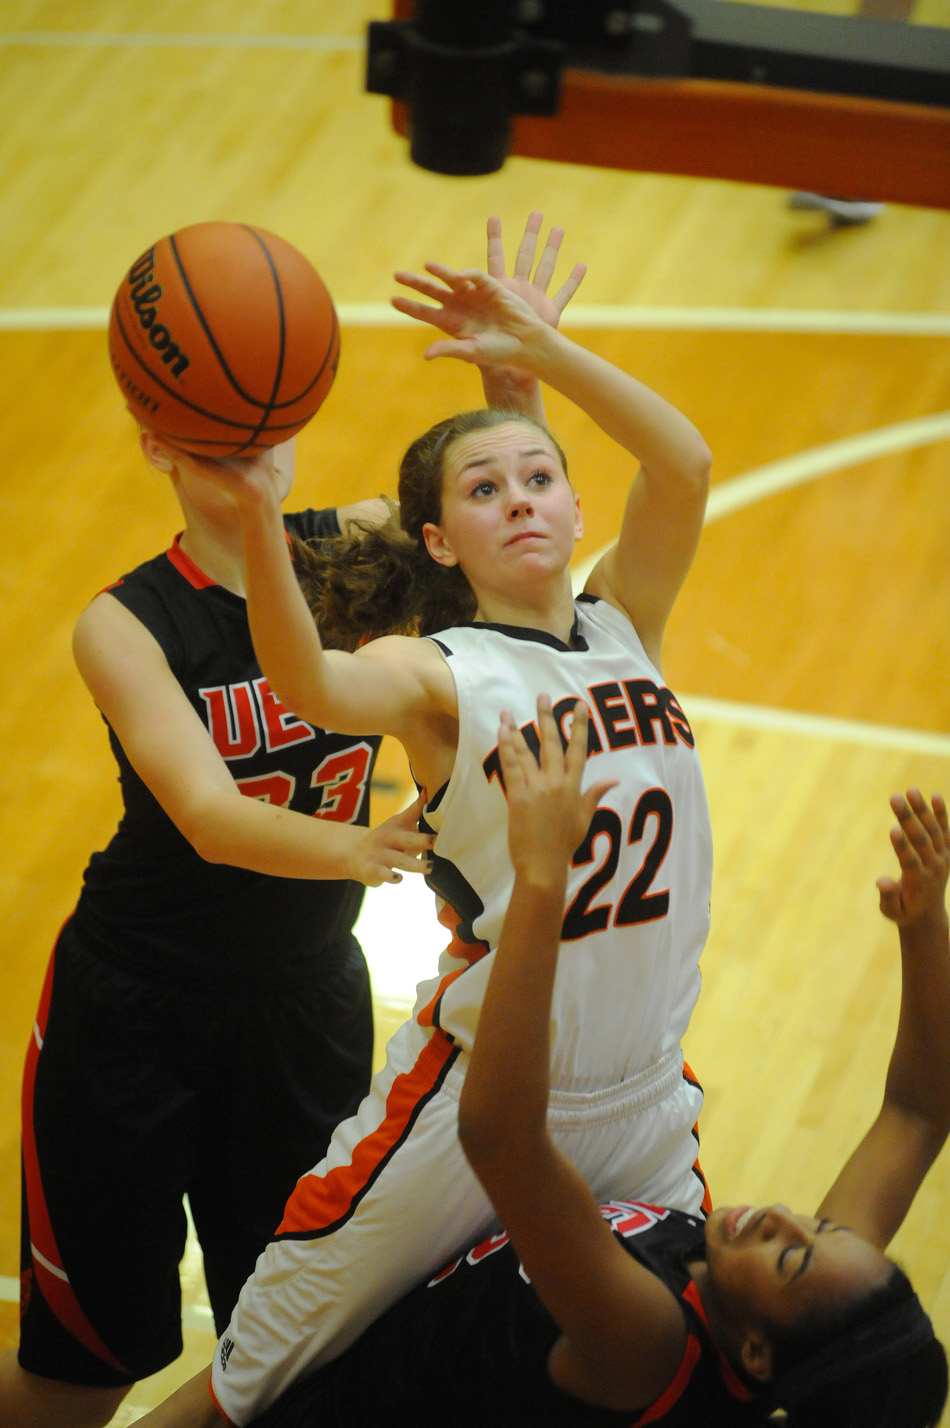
column 473, row 83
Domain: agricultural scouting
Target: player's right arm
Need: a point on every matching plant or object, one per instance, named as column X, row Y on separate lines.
column 173, row 753
column 622, row 1331
column 877, row 1185
column 390, row 686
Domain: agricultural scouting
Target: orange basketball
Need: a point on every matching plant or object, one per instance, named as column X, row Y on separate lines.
column 224, row 339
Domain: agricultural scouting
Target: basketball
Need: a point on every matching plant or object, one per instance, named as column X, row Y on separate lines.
column 224, row 339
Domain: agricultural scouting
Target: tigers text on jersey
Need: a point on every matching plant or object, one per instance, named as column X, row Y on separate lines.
column 638, row 894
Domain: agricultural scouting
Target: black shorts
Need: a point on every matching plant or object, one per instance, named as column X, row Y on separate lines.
column 137, row 1094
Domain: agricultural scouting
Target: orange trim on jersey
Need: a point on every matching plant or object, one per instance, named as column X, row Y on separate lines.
column 465, row 952
column 426, row 1015
column 676, row 1388
column 729, row 1375
column 707, row 1203
column 48, row 1271
column 320, row 1202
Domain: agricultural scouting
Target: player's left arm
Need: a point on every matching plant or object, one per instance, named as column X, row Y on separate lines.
column 489, row 325
column 623, row 1334
column 643, row 572
column 878, row 1183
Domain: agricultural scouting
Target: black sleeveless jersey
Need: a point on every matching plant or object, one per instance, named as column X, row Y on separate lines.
column 470, row 1348
column 149, row 902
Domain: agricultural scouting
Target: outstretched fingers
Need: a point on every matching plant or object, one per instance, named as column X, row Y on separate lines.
column 524, row 258
column 919, row 833
column 547, row 262
column 567, row 290
column 921, row 841
column 495, row 265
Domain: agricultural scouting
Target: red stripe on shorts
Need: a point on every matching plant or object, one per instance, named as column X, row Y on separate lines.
column 50, row 1276
column 320, row 1202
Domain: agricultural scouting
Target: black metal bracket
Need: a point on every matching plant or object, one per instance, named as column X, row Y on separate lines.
column 464, row 68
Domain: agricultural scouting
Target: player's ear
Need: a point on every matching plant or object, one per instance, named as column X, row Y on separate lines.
column 756, row 1355
column 437, row 545
column 155, row 451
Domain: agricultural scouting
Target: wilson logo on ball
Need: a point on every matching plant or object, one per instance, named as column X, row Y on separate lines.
column 145, row 294
column 223, row 338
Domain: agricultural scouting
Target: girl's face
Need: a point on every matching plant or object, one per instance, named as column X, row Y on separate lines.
column 509, row 516
column 773, row 1266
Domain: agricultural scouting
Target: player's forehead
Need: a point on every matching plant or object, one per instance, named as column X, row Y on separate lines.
column 518, row 439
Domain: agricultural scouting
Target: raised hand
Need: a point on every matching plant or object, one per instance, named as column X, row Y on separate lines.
column 534, row 289
column 484, row 322
column 548, row 815
column 922, row 844
column 248, row 479
column 512, row 387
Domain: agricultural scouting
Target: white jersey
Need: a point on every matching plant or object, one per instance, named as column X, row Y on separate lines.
column 638, row 892
column 395, row 1197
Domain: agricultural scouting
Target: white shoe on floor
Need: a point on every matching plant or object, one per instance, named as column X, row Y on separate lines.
column 839, row 210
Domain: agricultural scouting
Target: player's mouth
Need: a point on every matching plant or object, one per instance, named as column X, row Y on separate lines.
column 736, row 1220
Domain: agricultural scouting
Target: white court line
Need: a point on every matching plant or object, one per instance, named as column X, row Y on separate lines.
column 804, row 466
column 156, row 40
column 600, row 318
column 777, row 476
column 765, row 319
column 817, row 726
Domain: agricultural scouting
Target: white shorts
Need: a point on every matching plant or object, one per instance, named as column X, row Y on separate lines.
column 395, row 1200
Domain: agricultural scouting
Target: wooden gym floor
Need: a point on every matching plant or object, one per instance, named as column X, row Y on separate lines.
column 811, row 645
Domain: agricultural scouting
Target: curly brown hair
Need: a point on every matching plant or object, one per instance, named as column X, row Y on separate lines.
column 380, row 579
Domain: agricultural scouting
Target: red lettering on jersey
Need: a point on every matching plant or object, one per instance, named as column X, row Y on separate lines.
column 679, row 720
column 444, row 1273
column 487, row 1247
column 281, row 727
column 276, row 788
column 629, row 1219
column 342, row 779
column 232, row 720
